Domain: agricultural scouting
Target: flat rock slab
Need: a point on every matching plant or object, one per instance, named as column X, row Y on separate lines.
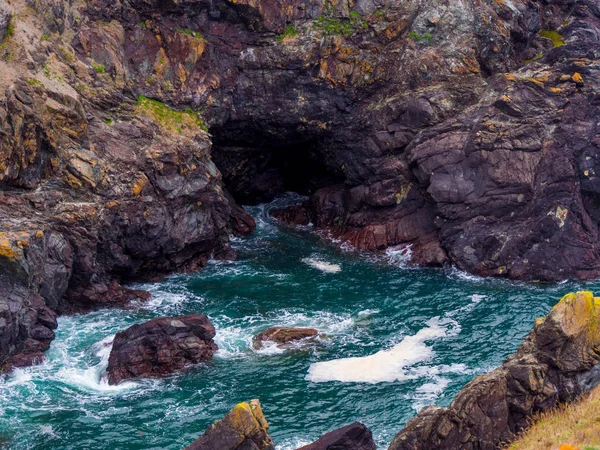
column 284, row 337
column 160, row 347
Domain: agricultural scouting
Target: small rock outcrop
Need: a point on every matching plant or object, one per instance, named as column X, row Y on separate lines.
column 557, row 362
column 292, row 215
column 160, row 347
column 355, row 436
column 284, row 337
column 243, row 428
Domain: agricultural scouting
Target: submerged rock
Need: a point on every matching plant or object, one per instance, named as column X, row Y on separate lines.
column 160, row 347
column 242, row 428
column 355, row 436
column 284, row 337
column 292, row 215
column 557, row 362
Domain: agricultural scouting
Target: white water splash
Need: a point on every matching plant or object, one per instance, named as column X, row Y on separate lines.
column 385, row 365
column 234, row 335
column 321, row 265
column 91, row 378
column 292, row 444
column 400, row 254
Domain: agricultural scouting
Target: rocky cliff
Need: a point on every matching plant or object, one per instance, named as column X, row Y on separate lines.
column 465, row 131
column 557, row 362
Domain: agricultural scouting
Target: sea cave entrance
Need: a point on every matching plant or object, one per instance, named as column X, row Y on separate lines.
column 258, row 165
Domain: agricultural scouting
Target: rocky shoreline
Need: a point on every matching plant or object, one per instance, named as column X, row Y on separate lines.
column 131, row 132
column 485, row 161
column 557, row 362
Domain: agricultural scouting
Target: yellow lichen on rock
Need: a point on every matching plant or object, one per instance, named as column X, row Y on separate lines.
column 6, row 249
column 577, row 78
column 578, row 313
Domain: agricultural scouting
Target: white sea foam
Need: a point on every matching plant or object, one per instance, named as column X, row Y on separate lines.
column 19, row 376
column 476, row 298
column 428, row 392
column 91, row 378
column 321, row 265
column 292, row 444
column 385, row 365
column 47, row 430
column 400, row 254
column 368, row 312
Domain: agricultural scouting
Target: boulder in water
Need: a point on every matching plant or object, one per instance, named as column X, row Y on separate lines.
column 292, row 215
column 284, row 336
column 355, row 436
column 557, row 362
column 242, row 428
column 160, row 347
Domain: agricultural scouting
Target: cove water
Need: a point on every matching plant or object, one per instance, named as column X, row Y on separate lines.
column 397, row 339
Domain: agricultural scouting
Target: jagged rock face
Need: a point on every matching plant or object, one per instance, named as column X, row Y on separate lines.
column 429, row 126
column 557, row 362
column 284, row 337
column 242, row 428
column 160, row 347
column 355, row 436
column 95, row 189
column 413, row 123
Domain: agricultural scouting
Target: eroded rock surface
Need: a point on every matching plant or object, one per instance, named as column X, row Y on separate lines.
column 355, row 436
column 457, row 130
column 284, row 337
column 243, row 428
column 557, row 362
column 160, row 347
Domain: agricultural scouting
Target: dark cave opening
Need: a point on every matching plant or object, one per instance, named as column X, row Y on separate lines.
column 257, row 166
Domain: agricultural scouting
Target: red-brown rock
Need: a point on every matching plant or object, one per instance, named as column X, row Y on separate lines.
column 284, row 337
column 293, row 215
column 160, row 347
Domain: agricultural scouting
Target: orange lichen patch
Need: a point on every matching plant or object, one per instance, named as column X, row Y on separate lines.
column 536, row 81
column 510, row 77
column 138, row 185
column 23, row 244
column 6, row 249
column 577, row 78
column 470, row 63
column 39, row 234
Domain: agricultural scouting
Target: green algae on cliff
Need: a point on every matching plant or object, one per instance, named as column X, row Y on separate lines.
column 170, row 119
column 557, row 39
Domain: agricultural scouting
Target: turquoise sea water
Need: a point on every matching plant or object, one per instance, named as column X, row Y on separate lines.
column 439, row 329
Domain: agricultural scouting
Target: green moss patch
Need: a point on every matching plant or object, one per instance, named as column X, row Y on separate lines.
column 557, row 39
column 170, row 119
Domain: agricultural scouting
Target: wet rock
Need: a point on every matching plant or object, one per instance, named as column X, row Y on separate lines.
column 292, row 215
column 427, row 126
column 355, row 436
column 242, row 428
column 557, row 362
column 284, row 337
column 160, row 347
